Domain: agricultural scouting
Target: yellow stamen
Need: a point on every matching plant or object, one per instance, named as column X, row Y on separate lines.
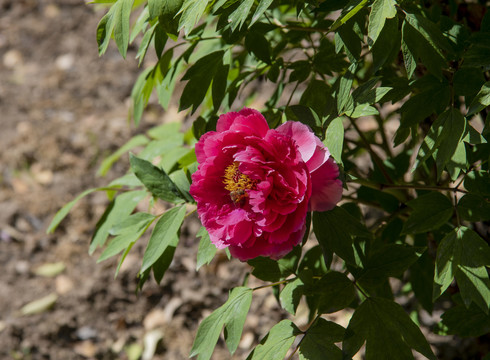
column 236, row 183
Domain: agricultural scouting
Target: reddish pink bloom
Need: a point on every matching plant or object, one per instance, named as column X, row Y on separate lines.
column 254, row 185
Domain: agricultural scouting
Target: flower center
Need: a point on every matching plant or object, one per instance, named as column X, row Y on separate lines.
column 237, row 183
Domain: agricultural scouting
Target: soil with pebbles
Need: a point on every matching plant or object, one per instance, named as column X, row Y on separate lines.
column 63, row 109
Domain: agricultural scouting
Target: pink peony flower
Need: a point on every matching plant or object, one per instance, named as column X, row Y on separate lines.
column 254, row 185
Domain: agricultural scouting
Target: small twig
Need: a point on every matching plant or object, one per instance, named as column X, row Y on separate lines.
column 292, row 93
column 381, row 187
column 190, row 212
column 456, row 209
column 360, row 289
column 385, row 146
column 273, row 284
column 304, row 335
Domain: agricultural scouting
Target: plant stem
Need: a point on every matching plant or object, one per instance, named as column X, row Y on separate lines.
column 360, row 289
column 381, row 187
column 273, row 284
column 304, row 334
column 190, row 212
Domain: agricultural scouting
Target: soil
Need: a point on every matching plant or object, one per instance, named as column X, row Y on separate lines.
column 62, row 110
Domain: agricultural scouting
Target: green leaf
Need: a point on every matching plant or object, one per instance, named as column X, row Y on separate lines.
column 474, row 208
column 191, row 11
column 238, row 17
column 408, row 57
column 380, row 11
column 388, row 331
column 348, row 36
column 443, row 138
column 473, row 136
column 135, row 141
column 457, row 162
column 155, row 180
column 163, row 236
column 334, row 230
column 257, row 44
column 164, row 8
column 319, row 341
column 434, row 97
column 141, row 92
column 453, row 132
column 219, row 85
column 334, row 139
column 139, row 25
column 232, row 315
column 120, row 243
column 120, row 208
column 348, row 12
column 388, row 261
column 104, row 30
column 261, row 8
column 161, row 265
column 429, row 31
column 313, row 261
column 421, row 279
column 387, row 46
column 421, row 47
column 170, row 132
column 478, row 182
column 145, row 43
column 387, row 201
column 277, row 342
column 318, row 97
column 274, row 270
column 470, row 322
column 464, row 254
column 468, row 81
column 362, row 110
column 121, row 15
column 481, row 100
column 61, row 214
column 345, row 85
column 200, row 76
column 180, row 179
column 430, row 212
column 206, row 250
column 367, row 93
column 291, row 295
column 132, row 223
column 334, row 292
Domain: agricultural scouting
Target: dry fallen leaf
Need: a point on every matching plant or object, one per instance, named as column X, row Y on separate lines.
column 50, row 269
column 38, row 306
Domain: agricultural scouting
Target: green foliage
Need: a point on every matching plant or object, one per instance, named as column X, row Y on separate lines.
column 231, row 315
column 463, row 255
column 388, row 331
column 276, row 343
column 399, row 93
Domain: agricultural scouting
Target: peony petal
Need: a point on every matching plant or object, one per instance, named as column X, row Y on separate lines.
column 320, row 156
column 263, row 247
column 326, row 188
column 247, row 121
column 302, row 135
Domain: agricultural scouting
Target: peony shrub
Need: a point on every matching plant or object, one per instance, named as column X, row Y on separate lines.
column 391, row 96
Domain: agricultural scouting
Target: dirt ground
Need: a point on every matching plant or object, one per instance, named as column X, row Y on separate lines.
column 62, row 110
